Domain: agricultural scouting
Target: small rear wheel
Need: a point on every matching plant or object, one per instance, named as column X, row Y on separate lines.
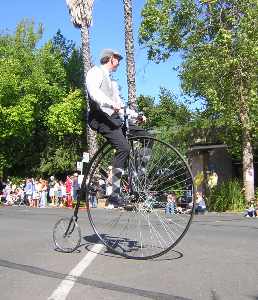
column 67, row 235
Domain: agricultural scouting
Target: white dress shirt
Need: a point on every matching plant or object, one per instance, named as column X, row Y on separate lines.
column 94, row 79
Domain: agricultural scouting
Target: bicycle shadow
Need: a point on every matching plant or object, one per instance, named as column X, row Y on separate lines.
column 132, row 246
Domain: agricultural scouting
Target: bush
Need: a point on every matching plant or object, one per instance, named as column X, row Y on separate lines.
column 227, row 196
column 256, row 195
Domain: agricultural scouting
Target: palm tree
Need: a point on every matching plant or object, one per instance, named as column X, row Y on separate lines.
column 81, row 17
column 129, row 49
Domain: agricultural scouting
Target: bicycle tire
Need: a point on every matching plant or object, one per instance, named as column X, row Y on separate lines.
column 67, row 235
column 142, row 230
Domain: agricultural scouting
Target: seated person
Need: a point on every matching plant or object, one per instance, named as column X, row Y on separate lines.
column 9, row 198
column 251, row 210
column 200, row 204
column 171, row 204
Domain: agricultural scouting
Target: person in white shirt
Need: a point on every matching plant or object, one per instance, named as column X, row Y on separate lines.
column 106, row 115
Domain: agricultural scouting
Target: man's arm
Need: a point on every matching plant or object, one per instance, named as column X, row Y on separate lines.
column 134, row 116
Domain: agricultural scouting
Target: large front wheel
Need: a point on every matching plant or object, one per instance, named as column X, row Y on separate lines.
column 148, row 226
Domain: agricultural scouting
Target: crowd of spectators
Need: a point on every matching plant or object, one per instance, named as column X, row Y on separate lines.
column 54, row 192
column 39, row 192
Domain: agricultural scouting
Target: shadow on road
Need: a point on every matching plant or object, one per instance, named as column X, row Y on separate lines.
column 93, row 239
column 89, row 282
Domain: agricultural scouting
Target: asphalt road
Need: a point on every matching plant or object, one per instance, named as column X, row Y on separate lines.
column 217, row 259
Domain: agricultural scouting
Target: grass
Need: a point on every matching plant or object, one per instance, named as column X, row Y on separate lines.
column 227, row 196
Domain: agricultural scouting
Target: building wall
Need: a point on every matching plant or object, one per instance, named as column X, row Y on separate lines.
column 196, row 163
column 218, row 159
column 222, row 162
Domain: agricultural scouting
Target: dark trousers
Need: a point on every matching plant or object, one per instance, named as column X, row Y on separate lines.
column 114, row 134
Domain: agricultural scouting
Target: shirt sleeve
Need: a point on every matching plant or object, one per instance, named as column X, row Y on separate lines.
column 94, row 79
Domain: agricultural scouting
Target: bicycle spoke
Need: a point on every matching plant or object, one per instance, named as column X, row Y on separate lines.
column 143, row 229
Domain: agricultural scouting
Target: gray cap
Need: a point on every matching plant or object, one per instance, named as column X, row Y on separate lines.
column 109, row 53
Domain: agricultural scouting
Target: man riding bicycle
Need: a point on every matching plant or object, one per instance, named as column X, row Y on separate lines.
column 106, row 116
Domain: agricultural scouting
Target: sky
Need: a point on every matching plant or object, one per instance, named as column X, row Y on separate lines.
column 107, row 31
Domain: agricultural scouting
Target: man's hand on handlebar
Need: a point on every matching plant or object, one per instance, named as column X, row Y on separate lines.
column 141, row 118
column 117, row 107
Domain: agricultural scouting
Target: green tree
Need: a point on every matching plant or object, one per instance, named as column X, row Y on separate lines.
column 63, row 118
column 72, row 59
column 169, row 119
column 33, row 85
column 219, row 43
column 63, row 46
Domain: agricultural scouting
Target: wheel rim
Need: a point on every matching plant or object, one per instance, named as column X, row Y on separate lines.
column 143, row 230
column 67, row 235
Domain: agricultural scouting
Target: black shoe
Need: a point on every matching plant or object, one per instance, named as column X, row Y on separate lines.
column 116, row 201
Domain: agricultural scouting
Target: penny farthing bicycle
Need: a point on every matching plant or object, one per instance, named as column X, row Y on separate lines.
column 142, row 229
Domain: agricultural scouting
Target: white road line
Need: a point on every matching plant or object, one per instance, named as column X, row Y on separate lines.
column 62, row 291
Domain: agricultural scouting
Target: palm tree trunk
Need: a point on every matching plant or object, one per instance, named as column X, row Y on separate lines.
column 81, row 13
column 90, row 134
column 129, row 49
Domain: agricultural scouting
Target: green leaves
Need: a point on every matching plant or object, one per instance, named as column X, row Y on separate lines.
column 169, row 119
column 219, row 40
column 18, row 120
column 65, row 117
column 226, row 197
column 219, row 43
column 59, row 158
column 166, row 26
column 37, row 109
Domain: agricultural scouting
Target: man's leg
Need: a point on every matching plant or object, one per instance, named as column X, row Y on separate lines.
column 118, row 140
column 145, row 151
column 137, row 131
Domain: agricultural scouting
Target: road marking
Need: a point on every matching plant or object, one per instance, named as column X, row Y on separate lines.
column 62, row 291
